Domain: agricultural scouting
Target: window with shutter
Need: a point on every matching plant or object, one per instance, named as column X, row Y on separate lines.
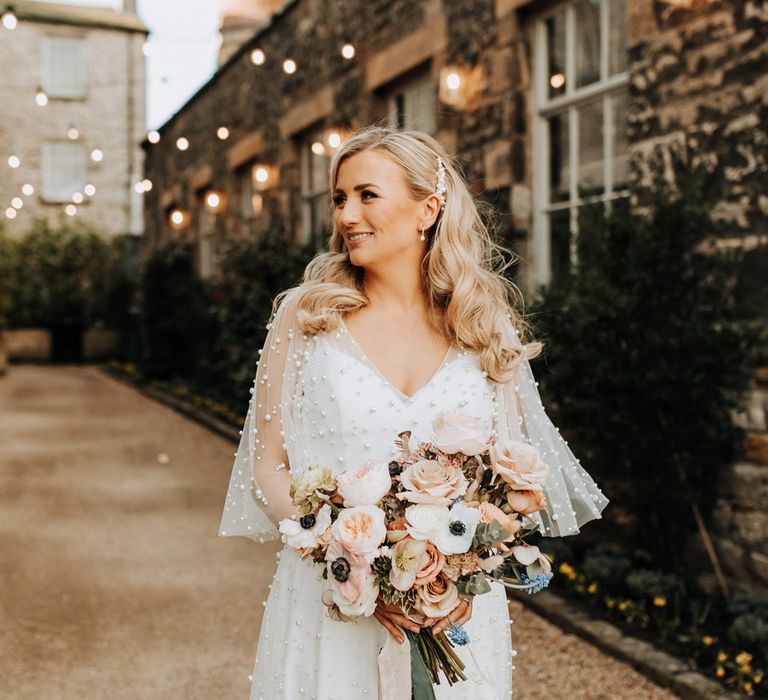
column 412, row 105
column 64, row 170
column 64, row 67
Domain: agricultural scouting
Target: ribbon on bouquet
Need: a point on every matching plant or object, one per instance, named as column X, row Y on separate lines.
column 403, row 674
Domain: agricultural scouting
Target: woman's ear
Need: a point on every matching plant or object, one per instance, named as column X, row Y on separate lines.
column 431, row 208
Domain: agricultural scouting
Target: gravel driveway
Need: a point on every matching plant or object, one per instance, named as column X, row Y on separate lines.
column 114, row 582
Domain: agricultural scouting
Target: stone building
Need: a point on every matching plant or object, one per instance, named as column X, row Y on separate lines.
column 546, row 103
column 73, row 115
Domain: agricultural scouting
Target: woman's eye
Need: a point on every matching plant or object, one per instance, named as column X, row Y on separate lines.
column 366, row 193
column 338, row 199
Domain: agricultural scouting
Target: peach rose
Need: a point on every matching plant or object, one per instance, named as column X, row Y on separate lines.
column 431, row 570
column 437, row 598
column 364, row 486
column 429, row 481
column 455, row 432
column 490, row 512
column 526, row 502
column 520, row 465
column 360, row 529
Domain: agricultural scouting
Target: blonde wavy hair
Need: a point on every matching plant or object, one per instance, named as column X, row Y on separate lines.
column 470, row 299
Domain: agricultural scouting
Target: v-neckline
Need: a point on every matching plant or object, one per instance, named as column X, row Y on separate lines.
column 401, row 394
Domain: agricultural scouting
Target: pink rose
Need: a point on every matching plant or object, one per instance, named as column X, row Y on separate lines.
column 432, row 568
column 520, row 465
column 491, row 512
column 437, row 598
column 526, row 502
column 455, row 432
column 360, row 529
column 432, row 482
column 364, row 486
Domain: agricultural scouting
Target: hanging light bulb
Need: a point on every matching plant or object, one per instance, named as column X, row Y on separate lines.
column 17, row 202
column 89, row 190
column 453, row 81
column 182, row 143
column 41, row 98
column 334, row 139
column 146, row 48
column 318, row 149
column 9, row 19
column 73, row 133
column 146, row 183
column 14, row 161
column 70, row 209
column 77, row 197
column 27, row 189
column 223, row 133
column 10, row 213
column 258, row 57
column 289, row 66
column 348, row 51
column 557, row 80
column 153, row 136
column 97, row 155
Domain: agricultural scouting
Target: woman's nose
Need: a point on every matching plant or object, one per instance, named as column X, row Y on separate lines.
column 350, row 214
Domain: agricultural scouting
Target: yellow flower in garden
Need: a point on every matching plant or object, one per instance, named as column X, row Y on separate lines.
column 592, row 588
column 746, row 668
column 748, row 687
column 720, row 672
column 758, row 677
column 659, row 601
column 610, row 602
column 722, row 656
column 708, row 641
column 623, row 605
column 568, row 571
column 743, row 658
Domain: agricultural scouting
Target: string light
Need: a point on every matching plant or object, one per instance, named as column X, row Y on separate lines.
column 557, row 80
column 9, row 22
column 89, row 190
column 97, row 155
column 318, row 149
column 73, row 133
column 348, row 51
column 147, row 183
column 334, row 139
column 10, row 213
column 146, row 49
column 258, row 57
column 70, row 209
column 223, row 133
column 453, row 81
column 153, row 136
column 17, row 203
column 41, row 98
column 14, row 161
column 182, row 143
column 177, row 218
column 77, row 197
column 27, row 189
column 261, row 175
column 289, row 66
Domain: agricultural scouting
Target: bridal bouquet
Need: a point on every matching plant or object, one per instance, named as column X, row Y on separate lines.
column 442, row 519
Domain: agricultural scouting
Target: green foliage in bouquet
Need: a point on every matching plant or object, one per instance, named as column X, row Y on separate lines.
column 253, row 271
column 176, row 319
column 645, row 361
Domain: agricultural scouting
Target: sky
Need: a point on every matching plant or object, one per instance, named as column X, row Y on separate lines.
column 182, row 46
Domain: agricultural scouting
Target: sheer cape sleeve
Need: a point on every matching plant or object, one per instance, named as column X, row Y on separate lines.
column 258, row 494
column 572, row 497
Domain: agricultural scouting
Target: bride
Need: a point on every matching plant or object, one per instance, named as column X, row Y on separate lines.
column 407, row 315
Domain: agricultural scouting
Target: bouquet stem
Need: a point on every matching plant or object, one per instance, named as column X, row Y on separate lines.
column 436, row 654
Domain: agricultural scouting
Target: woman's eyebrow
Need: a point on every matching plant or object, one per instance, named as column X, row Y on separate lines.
column 357, row 188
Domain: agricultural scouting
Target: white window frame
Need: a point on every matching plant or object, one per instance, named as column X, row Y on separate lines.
column 314, row 195
column 605, row 88
column 64, row 67
column 418, row 96
column 64, row 170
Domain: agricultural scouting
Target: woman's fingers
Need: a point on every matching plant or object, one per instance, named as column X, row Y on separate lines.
column 458, row 615
column 390, row 627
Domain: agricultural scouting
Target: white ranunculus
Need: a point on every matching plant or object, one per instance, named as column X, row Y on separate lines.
column 360, row 529
column 424, row 520
column 455, row 432
column 294, row 535
column 365, row 486
column 457, row 533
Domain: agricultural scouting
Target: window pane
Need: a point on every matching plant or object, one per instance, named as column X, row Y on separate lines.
column 591, row 173
column 560, row 243
column 63, row 171
column 412, row 105
column 617, row 37
column 587, row 39
column 555, row 26
column 620, row 145
column 559, row 161
column 63, row 67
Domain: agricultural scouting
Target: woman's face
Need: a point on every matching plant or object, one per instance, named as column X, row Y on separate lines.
column 371, row 197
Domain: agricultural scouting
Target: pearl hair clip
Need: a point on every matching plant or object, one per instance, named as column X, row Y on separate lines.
column 440, row 188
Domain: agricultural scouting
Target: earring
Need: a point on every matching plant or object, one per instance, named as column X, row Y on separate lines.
column 422, row 237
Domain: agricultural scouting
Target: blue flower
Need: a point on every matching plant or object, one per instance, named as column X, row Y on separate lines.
column 537, row 583
column 457, row 634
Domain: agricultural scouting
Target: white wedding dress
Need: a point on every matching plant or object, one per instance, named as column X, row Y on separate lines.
column 339, row 411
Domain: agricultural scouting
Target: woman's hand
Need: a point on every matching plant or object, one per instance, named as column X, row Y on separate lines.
column 393, row 619
column 460, row 614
